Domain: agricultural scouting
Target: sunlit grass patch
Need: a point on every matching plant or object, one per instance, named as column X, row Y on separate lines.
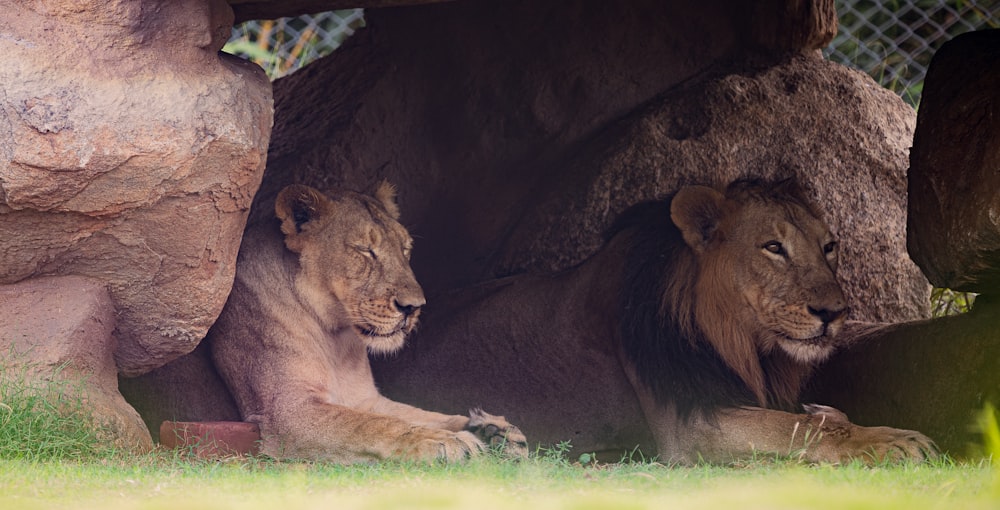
column 553, row 477
column 165, row 480
column 44, row 417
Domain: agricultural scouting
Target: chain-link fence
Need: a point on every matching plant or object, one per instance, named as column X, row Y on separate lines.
column 284, row 45
column 894, row 41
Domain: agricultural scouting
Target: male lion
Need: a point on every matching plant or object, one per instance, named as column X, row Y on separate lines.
column 316, row 289
column 688, row 334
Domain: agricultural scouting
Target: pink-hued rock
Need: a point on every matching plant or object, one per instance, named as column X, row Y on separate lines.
column 130, row 150
column 212, row 439
column 58, row 329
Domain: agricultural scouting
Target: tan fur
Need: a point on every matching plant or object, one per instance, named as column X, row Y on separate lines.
column 740, row 301
column 747, row 300
column 318, row 288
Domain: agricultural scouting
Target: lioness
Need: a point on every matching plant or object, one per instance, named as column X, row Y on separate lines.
column 689, row 334
column 316, row 290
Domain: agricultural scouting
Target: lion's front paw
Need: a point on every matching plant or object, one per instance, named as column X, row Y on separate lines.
column 498, row 433
column 842, row 440
column 434, row 445
column 886, row 444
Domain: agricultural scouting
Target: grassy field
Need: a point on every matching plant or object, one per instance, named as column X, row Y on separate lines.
column 50, row 457
column 163, row 481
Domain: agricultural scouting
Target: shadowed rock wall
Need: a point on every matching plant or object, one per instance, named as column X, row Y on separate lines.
column 515, row 144
column 954, row 221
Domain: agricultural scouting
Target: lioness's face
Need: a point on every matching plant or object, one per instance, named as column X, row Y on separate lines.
column 355, row 249
column 370, row 273
column 784, row 265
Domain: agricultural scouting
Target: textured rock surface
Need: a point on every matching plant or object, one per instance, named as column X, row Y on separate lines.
column 480, row 103
column 778, row 25
column 830, row 126
column 271, row 9
column 129, row 152
column 59, row 329
column 510, row 157
column 954, row 221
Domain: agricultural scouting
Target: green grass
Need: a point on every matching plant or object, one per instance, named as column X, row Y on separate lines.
column 168, row 482
column 44, row 418
column 57, row 462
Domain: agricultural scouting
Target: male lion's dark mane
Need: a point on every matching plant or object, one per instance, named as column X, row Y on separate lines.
column 658, row 330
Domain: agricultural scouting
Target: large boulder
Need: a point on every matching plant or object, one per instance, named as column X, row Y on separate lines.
column 130, row 153
column 954, row 221
column 829, row 126
column 56, row 334
column 936, row 376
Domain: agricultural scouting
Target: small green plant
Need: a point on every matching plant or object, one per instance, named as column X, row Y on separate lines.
column 556, row 454
column 946, row 302
column 991, row 441
column 44, row 419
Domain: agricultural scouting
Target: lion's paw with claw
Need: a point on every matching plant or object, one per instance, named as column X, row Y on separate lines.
column 496, row 432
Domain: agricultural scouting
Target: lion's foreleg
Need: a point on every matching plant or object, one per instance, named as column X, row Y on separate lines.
column 323, row 431
column 823, row 434
column 491, row 430
column 418, row 416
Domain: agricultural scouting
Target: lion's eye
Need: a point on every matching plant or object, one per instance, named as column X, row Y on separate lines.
column 774, row 247
column 366, row 251
column 830, row 247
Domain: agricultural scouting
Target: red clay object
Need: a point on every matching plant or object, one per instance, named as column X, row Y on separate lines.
column 212, row 439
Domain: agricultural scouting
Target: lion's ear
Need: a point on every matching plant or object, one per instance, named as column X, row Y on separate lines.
column 386, row 195
column 697, row 210
column 296, row 206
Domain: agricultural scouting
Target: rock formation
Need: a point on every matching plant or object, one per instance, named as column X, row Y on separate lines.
column 130, row 153
column 954, row 221
column 56, row 331
column 936, row 376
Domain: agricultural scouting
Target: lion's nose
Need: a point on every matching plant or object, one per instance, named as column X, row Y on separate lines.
column 408, row 309
column 828, row 315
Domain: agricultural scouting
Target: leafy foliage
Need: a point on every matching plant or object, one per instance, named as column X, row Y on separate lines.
column 946, row 302
column 285, row 45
